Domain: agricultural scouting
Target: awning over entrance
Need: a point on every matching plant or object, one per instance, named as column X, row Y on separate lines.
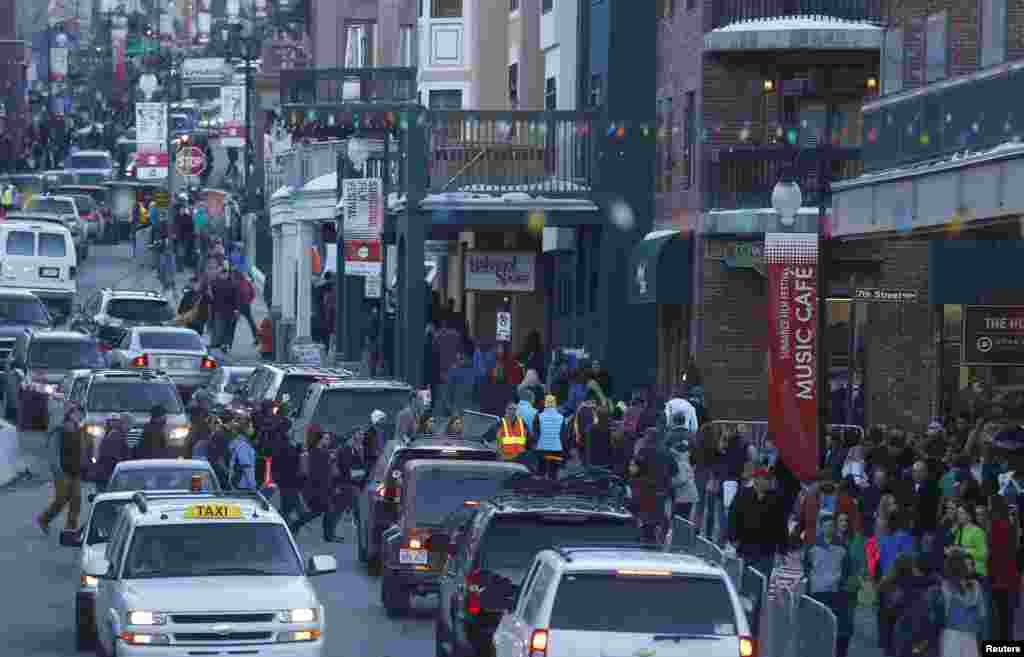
column 660, row 269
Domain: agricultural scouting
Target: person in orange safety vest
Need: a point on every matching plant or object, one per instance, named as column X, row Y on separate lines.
column 511, row 434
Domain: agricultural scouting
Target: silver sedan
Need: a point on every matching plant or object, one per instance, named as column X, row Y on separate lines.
column 179, row 352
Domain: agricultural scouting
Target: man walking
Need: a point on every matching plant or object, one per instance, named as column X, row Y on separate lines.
column 241, row 459
column 68, row 486
column 225, row 304
column 757, row 523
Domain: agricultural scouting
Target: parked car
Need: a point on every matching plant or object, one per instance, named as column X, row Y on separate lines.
column 40, row 362
column 178, row 352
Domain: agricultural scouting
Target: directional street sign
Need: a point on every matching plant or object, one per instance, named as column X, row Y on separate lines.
column 885, row 295
column 190, row 161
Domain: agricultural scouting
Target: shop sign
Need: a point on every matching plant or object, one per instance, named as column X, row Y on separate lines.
column 502, row 271
column 884, row 295
column 745, row 255
column 993, row 335
column 792, row 262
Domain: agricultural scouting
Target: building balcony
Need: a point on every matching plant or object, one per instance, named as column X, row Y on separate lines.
column 743, row 178
column 728, row 12
column 539, row 153
column 296, row 165
column 957, row 117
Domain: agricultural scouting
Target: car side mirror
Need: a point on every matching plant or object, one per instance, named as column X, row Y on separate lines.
column 99, row 569
column 321, row 564
column 71, row 539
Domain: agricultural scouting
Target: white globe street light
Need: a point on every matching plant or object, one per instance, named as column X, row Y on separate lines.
column 787, row 200
column 359, row 153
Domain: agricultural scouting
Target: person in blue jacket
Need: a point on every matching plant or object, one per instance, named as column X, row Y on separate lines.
column 549, row 429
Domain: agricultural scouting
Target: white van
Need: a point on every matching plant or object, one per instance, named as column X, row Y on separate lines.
column 39, row 256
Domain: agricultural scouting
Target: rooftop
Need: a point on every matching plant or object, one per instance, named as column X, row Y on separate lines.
column 183, row 464
column 611, row 558
column 61, row 335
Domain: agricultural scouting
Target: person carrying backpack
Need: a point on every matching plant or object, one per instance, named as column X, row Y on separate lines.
column 241, row 459
column 653, row 471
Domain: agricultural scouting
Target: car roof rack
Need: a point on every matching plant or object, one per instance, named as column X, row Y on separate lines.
column 141, row 498
column 567, row 550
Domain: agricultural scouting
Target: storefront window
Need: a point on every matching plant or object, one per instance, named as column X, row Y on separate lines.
column 846, row 322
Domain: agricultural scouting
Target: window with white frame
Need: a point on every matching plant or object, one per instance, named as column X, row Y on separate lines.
column 446, row 8
column 992, row 26
column 358, row 46
column 407, row 46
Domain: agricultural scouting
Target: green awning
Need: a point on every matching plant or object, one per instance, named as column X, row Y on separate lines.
column 660, row 269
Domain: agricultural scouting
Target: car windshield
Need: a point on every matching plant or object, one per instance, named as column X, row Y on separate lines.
column 65, row 354
column 51, row 206
column 208, row 549
column 133, row 396
column 85, row 204
column 28, row 311
column 175, row 341
column 160, row 479
column 441, row 491
column 342, row 410
column 606, row 602
column 89, row 162
column 510, row 543
column 140, row 310
column 104, row 515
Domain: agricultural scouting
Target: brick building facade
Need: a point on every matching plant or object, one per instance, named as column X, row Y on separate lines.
column 939, row 207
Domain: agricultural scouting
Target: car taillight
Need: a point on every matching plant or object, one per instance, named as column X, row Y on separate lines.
column 747, row 647
column 388, row 493
column 141, row 361
column 208, row 364
column 473, row 593
column 539, row 643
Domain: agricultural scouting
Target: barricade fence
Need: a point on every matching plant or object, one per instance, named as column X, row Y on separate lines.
column 757, row 430
column 787, row 623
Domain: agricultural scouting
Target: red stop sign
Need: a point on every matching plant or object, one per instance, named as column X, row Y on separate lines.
column 190, row 161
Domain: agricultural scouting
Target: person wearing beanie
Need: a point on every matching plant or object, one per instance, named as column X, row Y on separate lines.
column 550, row 428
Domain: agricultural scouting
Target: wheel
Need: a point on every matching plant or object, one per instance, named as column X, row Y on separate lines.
column 85, row 634
column 361, row 542
column 395, row 598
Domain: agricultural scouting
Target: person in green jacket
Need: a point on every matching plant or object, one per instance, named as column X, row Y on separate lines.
column 854, row 542
column 969, row 539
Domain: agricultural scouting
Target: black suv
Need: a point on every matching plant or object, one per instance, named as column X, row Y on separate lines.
column 379, row 501
column 496, row 546
column 415, row 549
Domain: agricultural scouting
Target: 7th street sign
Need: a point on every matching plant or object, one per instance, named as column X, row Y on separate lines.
column 884, row 295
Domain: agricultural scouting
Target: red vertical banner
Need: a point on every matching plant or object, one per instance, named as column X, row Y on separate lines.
column 792, row 262
column 119, row 39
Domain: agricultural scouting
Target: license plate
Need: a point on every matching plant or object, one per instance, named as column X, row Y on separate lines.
column 49, row 272
column 414, row 557
column 177, row 363
column 212, row 511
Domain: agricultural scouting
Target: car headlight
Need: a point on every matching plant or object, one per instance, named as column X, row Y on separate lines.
column 95, row 430
column 144, row 639
column 179, row 433
column 298, row 616
column 89, row 582
column 146, row 618
column 298, row 636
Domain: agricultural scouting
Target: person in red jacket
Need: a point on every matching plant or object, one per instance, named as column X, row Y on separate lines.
column 1002, row 568
column 246, row 295
column 825, row 495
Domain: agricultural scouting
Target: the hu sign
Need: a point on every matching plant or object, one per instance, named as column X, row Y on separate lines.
column 993, row 335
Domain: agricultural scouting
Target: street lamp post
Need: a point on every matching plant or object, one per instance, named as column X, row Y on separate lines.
column 358, row 155
column 250, row 47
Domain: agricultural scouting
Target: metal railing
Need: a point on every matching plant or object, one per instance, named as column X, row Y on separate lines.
column 329, row 86
column 726, row 12
column 786, row 621
column 548, row 152
column 943, row 119
column 757, row 430
column 745, row 177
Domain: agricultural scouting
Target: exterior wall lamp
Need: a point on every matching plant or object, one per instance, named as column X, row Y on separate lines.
column 872, row 82
column 768, row 86
column 787, row 199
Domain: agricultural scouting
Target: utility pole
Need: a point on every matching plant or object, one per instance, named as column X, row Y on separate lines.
column 250, row 165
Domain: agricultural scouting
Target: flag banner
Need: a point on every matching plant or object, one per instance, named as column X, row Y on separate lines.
column 792, row 262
